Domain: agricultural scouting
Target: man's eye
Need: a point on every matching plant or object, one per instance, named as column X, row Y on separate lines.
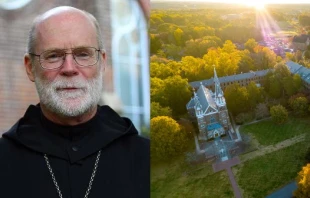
column 82, row 55
column 53, row 57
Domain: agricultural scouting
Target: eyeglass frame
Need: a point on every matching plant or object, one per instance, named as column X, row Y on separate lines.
column 65, row 55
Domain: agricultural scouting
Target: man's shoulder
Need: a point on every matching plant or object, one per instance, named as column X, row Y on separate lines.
column 6, row 148
column 136, row 140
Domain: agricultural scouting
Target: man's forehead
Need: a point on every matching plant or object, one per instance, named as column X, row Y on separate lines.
column 58, row 11
column 64, row 27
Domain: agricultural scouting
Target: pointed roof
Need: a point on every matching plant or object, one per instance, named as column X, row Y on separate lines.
column 205, row 98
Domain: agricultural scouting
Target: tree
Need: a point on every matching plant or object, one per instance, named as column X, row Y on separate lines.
column 250, row 45
column 156, row 91
column 194, row 69
column 168, row 138
column 236, row 98
column 264, row 58
column 304, row 19
column 157, row 110
column 255, row 95
column 178, row 36
column 163, row 71
column 278, row 114
column 155, row 44
column 177, row 94
column 261, row 111
column 297, row 82
column 288, row 86
column 299, row 105
column 298, row 55
column 173, row 52
column 303, row 183
column 246, row 63
column 275, row 87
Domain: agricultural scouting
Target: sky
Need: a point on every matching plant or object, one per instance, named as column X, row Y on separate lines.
column 247, row 1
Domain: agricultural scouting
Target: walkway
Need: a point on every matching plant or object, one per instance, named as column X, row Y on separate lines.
column 272, row 148
column 227, row 166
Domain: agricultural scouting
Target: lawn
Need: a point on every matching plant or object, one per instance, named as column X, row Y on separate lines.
column 268, row 133
column 262, row 175
column 257, row 177
column 178, row 179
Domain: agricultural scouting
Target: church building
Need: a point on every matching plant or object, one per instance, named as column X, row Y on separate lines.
column 211, row 113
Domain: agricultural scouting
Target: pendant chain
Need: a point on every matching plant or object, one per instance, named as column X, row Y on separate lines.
column 91, row 178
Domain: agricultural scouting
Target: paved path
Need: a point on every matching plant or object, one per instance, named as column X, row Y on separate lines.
column 227, row 166
column 272, row 148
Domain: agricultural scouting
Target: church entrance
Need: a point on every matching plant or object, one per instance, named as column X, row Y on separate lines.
column 216, row 134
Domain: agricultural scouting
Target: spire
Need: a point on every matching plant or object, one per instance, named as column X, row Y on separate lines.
column 219, row 96
column 195, row 94
column 218, row 89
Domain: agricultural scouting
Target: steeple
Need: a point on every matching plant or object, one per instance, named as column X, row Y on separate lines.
column 219, row 96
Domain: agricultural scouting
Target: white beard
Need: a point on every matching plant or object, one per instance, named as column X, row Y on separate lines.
column 70, row 103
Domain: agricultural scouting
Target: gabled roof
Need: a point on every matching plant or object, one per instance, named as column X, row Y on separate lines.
column 303, row 72
column 232, row 78
column 205, row 98
column 293, row 67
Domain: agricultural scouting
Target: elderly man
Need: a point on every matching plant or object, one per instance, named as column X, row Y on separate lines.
column 68, row 146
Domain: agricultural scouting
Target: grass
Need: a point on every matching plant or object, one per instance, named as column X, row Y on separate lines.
column 178, row 179
column 257, row 177
column 268, row 133
column 261, row 176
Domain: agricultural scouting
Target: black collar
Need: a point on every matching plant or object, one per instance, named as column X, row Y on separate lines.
column 33, row 132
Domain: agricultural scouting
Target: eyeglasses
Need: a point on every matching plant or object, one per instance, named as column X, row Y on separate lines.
column 54, row 59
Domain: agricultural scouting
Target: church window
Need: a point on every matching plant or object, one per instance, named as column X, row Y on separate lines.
column 212, row 119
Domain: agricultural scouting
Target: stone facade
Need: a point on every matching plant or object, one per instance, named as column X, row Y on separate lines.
column 210, row 110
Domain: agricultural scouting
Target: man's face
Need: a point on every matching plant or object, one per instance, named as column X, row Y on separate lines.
column 70, row 90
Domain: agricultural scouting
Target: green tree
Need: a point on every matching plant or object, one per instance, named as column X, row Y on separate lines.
column 303, row 183
column 278, row 114
column 297, row 82
column 275, row 87
column 173, row 51
column 289, row 86
column 177, row 94
column 255, row 95
column 236, row 98
column 155, row 43
column 168, row 138
column 157, row 110
column 198, row 47
column 299, row 105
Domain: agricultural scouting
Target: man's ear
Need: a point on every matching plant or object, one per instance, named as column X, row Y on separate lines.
column 28, row 66
column 104, row 59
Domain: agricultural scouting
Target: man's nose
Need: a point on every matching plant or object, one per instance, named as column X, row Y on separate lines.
column 69, row 66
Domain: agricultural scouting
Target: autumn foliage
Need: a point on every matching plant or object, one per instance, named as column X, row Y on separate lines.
column 303, row 183
column 168, row 138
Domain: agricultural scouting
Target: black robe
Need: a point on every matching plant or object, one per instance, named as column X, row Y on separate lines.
column 123, row 168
